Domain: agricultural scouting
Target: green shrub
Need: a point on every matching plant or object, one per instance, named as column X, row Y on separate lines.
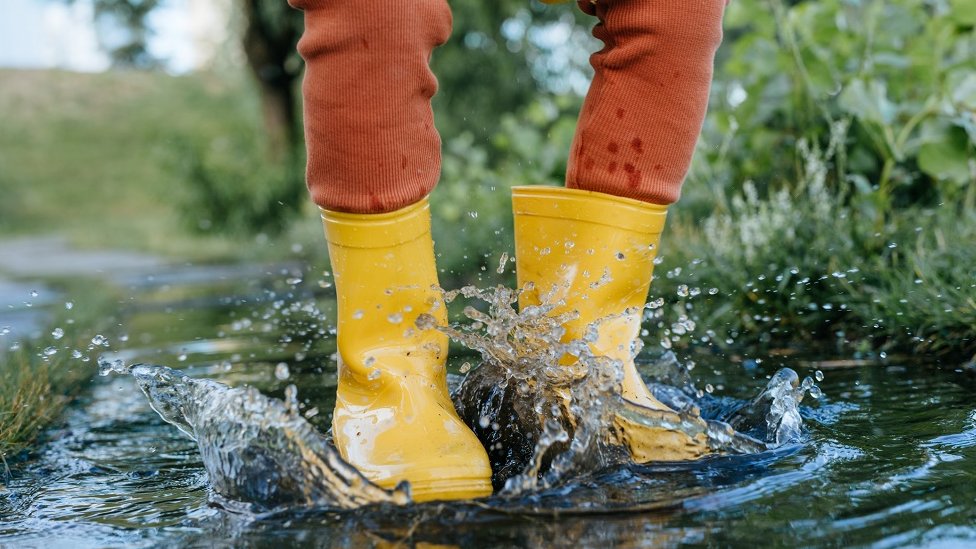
column 231, row 187
column 902, row 74
column 800, row 265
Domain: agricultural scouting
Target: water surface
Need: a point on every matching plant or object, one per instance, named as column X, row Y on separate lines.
column 889, row 457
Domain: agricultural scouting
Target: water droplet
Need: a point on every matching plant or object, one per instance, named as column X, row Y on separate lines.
column 181, row 357
column 50, row 351
column 291, row 399
column 357, row 314
column 473, row 215
column 100, row 341
column 395, row 318
column 502, row 261
column 709, row 388
column 818, row 375
column 58, row 333
column 369, row 361
column 33, row 293
column 465, row 368
column 426, row 322
column 712, row 291
column 815, row 392
column 311, row 412
column 76, row 354
column 683, row 290
column 4, row 330
column 69, row 305
column 106, row 366
column 294, row 281
column 484, row 422
column 620, row 256
column 375, row 374
column 281, row 371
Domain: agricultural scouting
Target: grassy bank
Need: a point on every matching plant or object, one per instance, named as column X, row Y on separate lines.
column 33, row 392
column 41, row 376
column 103, row 158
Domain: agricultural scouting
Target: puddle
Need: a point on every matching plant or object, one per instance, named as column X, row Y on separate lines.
column 887, row 456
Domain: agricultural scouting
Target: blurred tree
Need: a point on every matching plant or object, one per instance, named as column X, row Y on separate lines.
column 126, row 40
column 271, row 33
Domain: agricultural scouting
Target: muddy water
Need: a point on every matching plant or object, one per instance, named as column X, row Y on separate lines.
column 888, row 458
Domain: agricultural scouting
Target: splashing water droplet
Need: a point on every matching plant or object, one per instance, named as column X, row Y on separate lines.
column 375, row 374
column 357, row 314
column 291, row 399
column 818, row 375
column 395, row 318
column 465, row 368
column 108, row 366
column 69, row 305
column 33, row 293
column 502, row 261
column 100, row 341
column 50, row 351
column 656, row 304
column 58, row 333
column 281, row 371
column 712, row 291
column 683, row 290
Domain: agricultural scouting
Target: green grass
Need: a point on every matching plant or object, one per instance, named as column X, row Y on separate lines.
column 33, row 393
column 97, row 157
column 810, row 265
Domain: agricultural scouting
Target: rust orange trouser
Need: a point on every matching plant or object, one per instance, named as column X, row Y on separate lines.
column 372, row 145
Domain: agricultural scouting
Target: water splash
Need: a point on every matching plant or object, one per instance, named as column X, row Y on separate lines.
column 543, row 423
column 255, row 449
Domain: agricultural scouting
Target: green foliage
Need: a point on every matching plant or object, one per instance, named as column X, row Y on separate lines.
column 230, row 186
column 801, row 265
column 901, row 74
column 472, row 209
column 498, row 60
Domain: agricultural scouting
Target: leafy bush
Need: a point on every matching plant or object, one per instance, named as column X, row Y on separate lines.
column 232, row 188
column 901, row 74
column 472, row 208
column 801, row 265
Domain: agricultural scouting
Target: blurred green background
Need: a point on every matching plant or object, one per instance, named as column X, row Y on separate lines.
column 832, row 196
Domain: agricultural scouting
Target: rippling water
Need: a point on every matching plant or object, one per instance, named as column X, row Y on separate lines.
column 889, row 457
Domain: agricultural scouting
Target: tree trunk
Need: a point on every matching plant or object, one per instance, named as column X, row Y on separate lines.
column 271, row 33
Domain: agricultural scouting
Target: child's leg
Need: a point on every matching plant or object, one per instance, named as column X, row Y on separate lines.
column 644, row 111
column 369, row 128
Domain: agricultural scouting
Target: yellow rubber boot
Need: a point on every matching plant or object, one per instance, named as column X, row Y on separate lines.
column 594, row 252
column 394, row 419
